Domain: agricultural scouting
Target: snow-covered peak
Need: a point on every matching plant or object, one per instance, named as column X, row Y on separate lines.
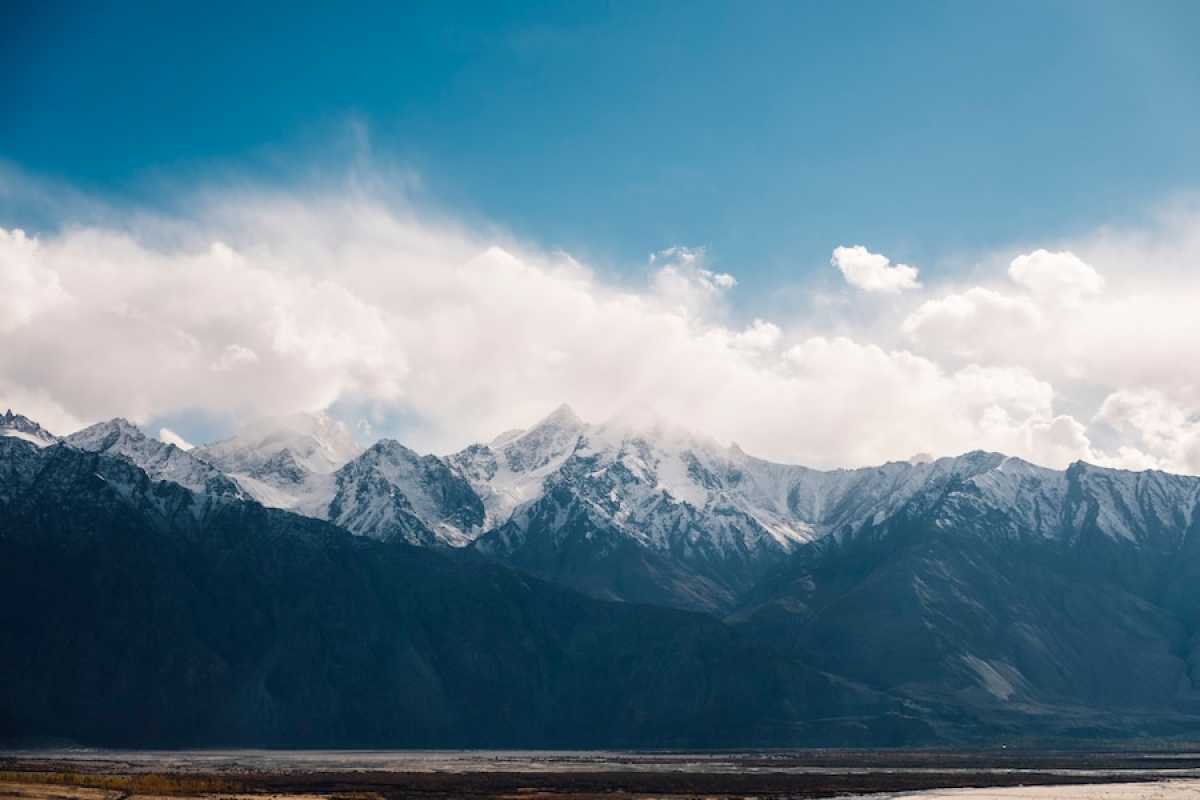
column 160, row 460
column 562, row 416
column 391, row 491
column 317, row 442
column 1138, row 506
column 286, row 462
column 545, row 442
column 104, row 435
column 512, row 469
column 18, row 426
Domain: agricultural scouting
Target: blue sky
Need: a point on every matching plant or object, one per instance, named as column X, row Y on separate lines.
column 880, row 228
column 768, row 133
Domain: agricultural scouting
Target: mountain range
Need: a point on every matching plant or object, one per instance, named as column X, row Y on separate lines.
column 586, row 585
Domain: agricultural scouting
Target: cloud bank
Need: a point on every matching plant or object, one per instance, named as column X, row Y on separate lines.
column 257, row 303
column 872, row 272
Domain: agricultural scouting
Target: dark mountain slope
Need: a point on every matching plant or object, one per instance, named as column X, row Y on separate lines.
column 132, row 613
column 563, row 539
column 952, row 603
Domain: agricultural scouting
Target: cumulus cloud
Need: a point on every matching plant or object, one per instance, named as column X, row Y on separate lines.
column 760, row 335
column 27, row 287
column 1062, row 275
column 682, row 279
column 261, row 304
column 233, row 357
column 1155, row 432
column 872, row 272
column 862, row 390
column 976, row 323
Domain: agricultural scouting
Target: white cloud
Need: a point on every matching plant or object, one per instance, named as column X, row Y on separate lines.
column 872, row 272
column 976, row 323
column 761, row 335
column 683, row 281
column 27, row 288
column 865, row 401
column 1156, row 433
column 234, row 356
column 310, row 300
column 169, row 436
column 1060, row 275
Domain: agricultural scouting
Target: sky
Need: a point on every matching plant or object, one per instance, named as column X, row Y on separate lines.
column 836, row 234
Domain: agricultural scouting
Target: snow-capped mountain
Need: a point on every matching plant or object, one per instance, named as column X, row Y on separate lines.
column 642, row 510
column 1017, row 497
column 161, row 461
column 36, row 478
column 661, row 515
column 288, row 631
column 512, row 469
column 980, row 589
column 286, row 462
column 642, row 513
column 638, row 509
column 998, row 585
column 390, row 491
column 19, row 427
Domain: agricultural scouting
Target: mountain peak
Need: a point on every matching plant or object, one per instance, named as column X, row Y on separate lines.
column 103, row 435
column 162, row 461
column 563, row 416
column 390, row 448
column 547, row 442
column 18, row 426
column 318, row 443
column 124, row 426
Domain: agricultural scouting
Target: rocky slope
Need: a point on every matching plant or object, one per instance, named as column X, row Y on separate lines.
column 647, row 512
column 136, row 612
column 959, row 599
column 1010, row 593
column 161, row 461
column 286, row 462
column 16, row 426
column 392, row 492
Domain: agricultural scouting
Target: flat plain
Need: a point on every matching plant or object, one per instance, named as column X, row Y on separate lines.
column 383, row 775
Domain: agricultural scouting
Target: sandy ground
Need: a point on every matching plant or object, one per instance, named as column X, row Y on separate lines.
column 485, row 775
column 1163, row 790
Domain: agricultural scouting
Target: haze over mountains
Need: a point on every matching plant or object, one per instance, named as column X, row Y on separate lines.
column 571, row 583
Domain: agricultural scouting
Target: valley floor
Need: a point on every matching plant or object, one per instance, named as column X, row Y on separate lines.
column 384, row 775
column 1185, row 789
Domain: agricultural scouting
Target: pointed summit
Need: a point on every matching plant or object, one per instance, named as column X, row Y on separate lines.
column 106, row 435
column 562, row 417
column 285, row 462
column 546, row 444
column 318, row 443
column 18, row 426
column 162, row 461
column 560, row 425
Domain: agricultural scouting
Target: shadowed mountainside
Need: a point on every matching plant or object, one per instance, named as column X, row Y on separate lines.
column 132, row 613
